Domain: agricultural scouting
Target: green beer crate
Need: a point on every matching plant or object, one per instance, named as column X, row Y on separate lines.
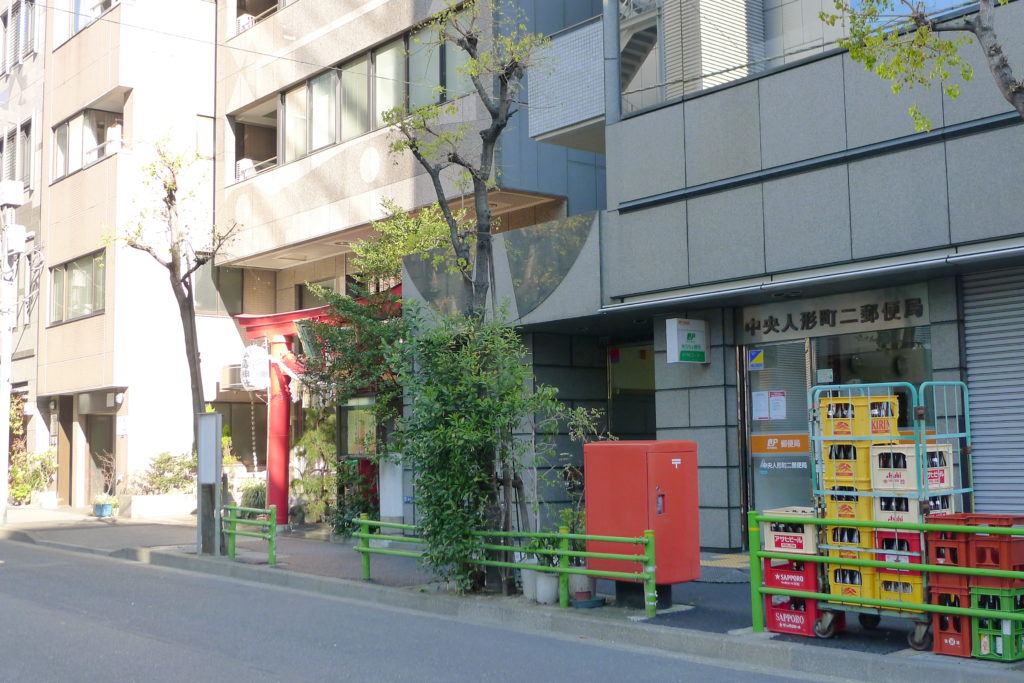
column 1000, row 640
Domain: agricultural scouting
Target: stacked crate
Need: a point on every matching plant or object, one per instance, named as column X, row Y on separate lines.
column 852, row 426
column 896, row 472
column 784, row 614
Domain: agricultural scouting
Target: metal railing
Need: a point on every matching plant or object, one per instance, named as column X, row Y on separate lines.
column 646, row 575
column 268, row 524
column 756, row 555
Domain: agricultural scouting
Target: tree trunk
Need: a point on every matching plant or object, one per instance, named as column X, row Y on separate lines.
column 998, row 65
column 186, row 311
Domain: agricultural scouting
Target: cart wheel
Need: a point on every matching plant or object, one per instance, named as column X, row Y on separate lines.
column 920, row 638
column 825, row 625
column 869, row 621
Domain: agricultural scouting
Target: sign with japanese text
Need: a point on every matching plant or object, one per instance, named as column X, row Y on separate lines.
column 879, row 309
column 686, row 341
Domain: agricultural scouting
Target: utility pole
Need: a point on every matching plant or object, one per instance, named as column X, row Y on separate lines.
column 12, row 246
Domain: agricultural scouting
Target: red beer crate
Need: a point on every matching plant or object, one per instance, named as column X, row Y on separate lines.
column 952, row 632
column 797, row 576
column 991, row 551
column 799, row 539
column 795, row 616
column 948, row 548
column 894, row 546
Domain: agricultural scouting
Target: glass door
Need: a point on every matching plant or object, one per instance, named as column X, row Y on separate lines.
column 780, row 467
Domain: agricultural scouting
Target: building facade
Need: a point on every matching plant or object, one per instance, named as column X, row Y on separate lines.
column 772, row 188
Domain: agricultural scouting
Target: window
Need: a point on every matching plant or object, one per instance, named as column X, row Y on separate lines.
column 87, row 11
column 218, row 290
column 295, row 124
column 323, row 111
column 19, row 27
column 389, row 79
column 85, row 139
column 306, row 297
column 16, row 152
column 77, row 288
column 424, row 68
column 355, row 98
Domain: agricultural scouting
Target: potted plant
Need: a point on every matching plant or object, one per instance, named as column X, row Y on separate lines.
column 581, row 587
column 104, row 504
column 546, row 582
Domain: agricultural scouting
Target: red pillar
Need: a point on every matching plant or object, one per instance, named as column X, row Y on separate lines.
column 278, row 413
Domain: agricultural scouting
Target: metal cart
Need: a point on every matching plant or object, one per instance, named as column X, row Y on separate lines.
column 885, row 452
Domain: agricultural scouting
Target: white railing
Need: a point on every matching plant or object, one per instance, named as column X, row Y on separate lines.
column 244, row 22
column 633, row 8
column 247, row 168
column 102, row 151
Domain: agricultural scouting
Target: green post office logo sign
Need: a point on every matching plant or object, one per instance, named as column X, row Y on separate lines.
column 686, row 341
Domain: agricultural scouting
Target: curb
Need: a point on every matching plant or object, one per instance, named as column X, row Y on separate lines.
column 744, row 647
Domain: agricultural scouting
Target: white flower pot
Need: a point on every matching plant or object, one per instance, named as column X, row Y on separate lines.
column 547, row 588
column 529, row 578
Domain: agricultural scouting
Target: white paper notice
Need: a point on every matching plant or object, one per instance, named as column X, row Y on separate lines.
column 759, row 405
column 776, row 405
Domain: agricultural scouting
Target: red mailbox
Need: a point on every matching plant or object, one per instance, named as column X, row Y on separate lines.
column 636, row 485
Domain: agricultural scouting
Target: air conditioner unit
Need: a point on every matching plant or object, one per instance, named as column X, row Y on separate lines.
column 244, row 168
column 244, row 22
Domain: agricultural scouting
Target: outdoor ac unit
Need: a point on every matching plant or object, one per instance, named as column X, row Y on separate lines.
column 244, row 168
column 244, row 22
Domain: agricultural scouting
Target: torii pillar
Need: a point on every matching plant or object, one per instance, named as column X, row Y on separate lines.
column 277, row 328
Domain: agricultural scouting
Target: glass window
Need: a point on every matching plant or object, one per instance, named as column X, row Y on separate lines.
column 457, row 83
column 101, row 135
column 78, row 288
column 10, row 154
column 307, row 299
column 389, row 79
column 75, row 144
column 218, row 290
column 295, row 124
column 25, row 153
column 424, row 68
column 322, row 110
column 60, row 155
column 355, row 104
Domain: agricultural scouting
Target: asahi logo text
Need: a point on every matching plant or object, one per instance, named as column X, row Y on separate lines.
column 787, row 541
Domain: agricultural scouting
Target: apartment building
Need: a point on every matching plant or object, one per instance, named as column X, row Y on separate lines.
column 762, row 182
column 303, row 164
column 92, row 88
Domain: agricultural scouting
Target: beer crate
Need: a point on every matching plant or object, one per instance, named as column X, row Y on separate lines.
column 900, row 588
column 847, row 462
column 952, row 632
column 948, row 548
column 894, row 467
column 850, row 536
column 860, row 416
column 892, row 546
column 797, row 576
column 846, row 504
column 795, row 616
column 896, row 508
column 989, row 551
column 848, row 581
column 997, row 639
column 801, row 539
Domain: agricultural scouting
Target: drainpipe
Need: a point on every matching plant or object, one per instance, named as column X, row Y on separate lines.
column 612, row 87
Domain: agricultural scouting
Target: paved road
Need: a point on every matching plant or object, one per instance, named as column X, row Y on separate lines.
column 74, row 617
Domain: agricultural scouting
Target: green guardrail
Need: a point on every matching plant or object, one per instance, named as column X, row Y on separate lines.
column 269, row 526
column 756, row 555
column 646, row 575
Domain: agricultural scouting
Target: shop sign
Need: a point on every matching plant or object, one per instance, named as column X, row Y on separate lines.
column 686, row 340
column 879, row 309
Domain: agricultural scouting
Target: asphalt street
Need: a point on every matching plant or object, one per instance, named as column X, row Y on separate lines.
column 74, row 617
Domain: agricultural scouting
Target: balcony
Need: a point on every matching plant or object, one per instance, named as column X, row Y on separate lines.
column 565, row 106
column 248, row 13
column 255, row 130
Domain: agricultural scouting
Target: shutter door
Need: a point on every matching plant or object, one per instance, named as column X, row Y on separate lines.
column 994, row 332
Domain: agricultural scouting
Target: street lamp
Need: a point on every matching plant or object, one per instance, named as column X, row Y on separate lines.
column 12, row 246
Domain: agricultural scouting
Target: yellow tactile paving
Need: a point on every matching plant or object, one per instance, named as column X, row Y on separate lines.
column 734, row 560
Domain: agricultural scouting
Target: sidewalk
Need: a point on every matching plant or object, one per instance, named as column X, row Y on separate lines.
column 709, row 618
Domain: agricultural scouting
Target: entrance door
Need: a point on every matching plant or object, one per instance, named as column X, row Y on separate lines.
column 780, row 466
column 102, row 470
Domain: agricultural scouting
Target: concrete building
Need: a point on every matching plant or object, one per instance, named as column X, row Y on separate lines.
column 762, row 182
column 303, row 159
column 91, row 88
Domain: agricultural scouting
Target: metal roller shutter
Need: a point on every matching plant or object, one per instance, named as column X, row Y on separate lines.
column 994, row 336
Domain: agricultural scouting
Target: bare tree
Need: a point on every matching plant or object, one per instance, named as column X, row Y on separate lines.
column 179, row 247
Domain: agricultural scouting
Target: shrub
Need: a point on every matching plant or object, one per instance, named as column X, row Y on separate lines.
column 31, row 472
column 167, row 474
